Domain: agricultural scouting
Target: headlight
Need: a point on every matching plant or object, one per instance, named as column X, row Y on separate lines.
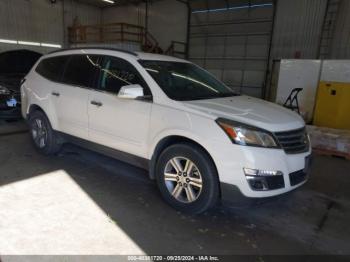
column 242, row 134
column 4, row 90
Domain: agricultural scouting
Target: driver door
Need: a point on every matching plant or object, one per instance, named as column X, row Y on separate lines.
column 121, row 124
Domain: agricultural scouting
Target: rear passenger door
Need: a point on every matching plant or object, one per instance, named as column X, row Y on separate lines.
column 70, row 97
column 121, row 124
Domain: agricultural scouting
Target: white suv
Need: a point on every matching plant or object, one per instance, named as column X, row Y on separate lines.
column 199, row 139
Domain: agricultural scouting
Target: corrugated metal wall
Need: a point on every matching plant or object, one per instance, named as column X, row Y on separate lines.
column 41, row 21
column 232, row 41
column 129, row 46
column 131, row 14
column 341, row 41
column 297, row 31
column 298, row 27
column 167, row 19
column 86, row 14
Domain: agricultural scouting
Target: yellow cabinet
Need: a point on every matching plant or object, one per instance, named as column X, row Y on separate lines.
column 333, row 105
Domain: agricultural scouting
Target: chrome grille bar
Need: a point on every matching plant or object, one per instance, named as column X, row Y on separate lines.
column 294, row 141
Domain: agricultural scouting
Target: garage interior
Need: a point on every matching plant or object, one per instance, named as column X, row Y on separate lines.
column 82, row 203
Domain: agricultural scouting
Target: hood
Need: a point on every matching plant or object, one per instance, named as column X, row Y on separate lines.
column 11, row 81
column 251, row 111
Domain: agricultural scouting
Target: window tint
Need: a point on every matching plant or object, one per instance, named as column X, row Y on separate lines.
column 116, row 73
column 52, row 68
column 185, row 81
column 81, row 70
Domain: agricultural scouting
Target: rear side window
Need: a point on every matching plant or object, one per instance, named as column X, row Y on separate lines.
column 81, row 70
column 52, row 68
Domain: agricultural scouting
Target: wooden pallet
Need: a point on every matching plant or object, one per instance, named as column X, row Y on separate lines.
column 327, row 152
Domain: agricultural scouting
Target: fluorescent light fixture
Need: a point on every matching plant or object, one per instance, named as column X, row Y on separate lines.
column 109, row 1
column 28, row 43
column 7, row 41
column 51, row 45
column 15, row 42
column 232, row 8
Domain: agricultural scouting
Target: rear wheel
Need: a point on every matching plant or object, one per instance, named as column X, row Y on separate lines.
column 44, row 137
column 187, row 178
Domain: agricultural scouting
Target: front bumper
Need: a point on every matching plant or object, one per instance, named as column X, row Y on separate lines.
column 231, row 159
column 11, row 114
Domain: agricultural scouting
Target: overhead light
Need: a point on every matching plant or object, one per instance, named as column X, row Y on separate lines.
column 16, row 42
column 7, row 41
column 50, row 45
column 232, row 8
column 28, row 43
column 109, row 1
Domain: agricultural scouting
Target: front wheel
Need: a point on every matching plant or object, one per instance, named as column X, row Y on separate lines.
column 44, row 137
column 187, row 178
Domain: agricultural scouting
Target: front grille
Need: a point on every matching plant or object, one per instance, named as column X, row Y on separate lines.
column 293, row 142
column 297, row 177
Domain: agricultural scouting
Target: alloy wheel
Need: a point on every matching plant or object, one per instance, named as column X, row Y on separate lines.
column 183, row 179
column 39, row 133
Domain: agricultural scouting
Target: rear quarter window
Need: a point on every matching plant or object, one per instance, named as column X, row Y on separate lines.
column 81, row 70
column 52, row 68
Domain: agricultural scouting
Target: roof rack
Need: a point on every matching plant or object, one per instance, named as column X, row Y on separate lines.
column 91, row 47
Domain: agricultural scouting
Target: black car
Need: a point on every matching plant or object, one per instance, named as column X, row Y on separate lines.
column 14, row 65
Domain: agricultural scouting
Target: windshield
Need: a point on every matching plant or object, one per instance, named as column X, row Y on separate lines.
column 185, row 81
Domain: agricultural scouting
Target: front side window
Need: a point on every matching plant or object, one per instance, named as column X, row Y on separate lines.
column 81, row 70
column 116, row 73
column 185, row 81
column 52, row 68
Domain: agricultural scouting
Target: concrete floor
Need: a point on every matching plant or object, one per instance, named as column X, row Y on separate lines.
column 80, row 202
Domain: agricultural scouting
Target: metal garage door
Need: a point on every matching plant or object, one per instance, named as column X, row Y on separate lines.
column 231, row 39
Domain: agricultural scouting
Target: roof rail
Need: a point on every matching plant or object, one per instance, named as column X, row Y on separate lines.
column 91, row 47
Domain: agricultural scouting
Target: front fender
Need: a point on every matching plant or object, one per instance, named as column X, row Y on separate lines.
column 174, row 133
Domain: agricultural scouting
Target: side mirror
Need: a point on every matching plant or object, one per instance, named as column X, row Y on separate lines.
column 131, row 92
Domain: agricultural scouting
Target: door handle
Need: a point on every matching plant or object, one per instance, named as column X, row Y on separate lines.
column 98, row 104
column 55, row 94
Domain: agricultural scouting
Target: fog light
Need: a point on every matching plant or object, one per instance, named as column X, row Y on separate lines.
column 257, row 172
column 263, row 180
column 258, row 183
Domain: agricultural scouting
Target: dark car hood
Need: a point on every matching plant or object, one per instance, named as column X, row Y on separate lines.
column 11, row 81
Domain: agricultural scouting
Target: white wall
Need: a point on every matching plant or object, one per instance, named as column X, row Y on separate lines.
column 299, row 73
column 41, row 21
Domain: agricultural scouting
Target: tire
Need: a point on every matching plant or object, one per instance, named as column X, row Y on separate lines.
column 43, row 136
column 183, row 190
